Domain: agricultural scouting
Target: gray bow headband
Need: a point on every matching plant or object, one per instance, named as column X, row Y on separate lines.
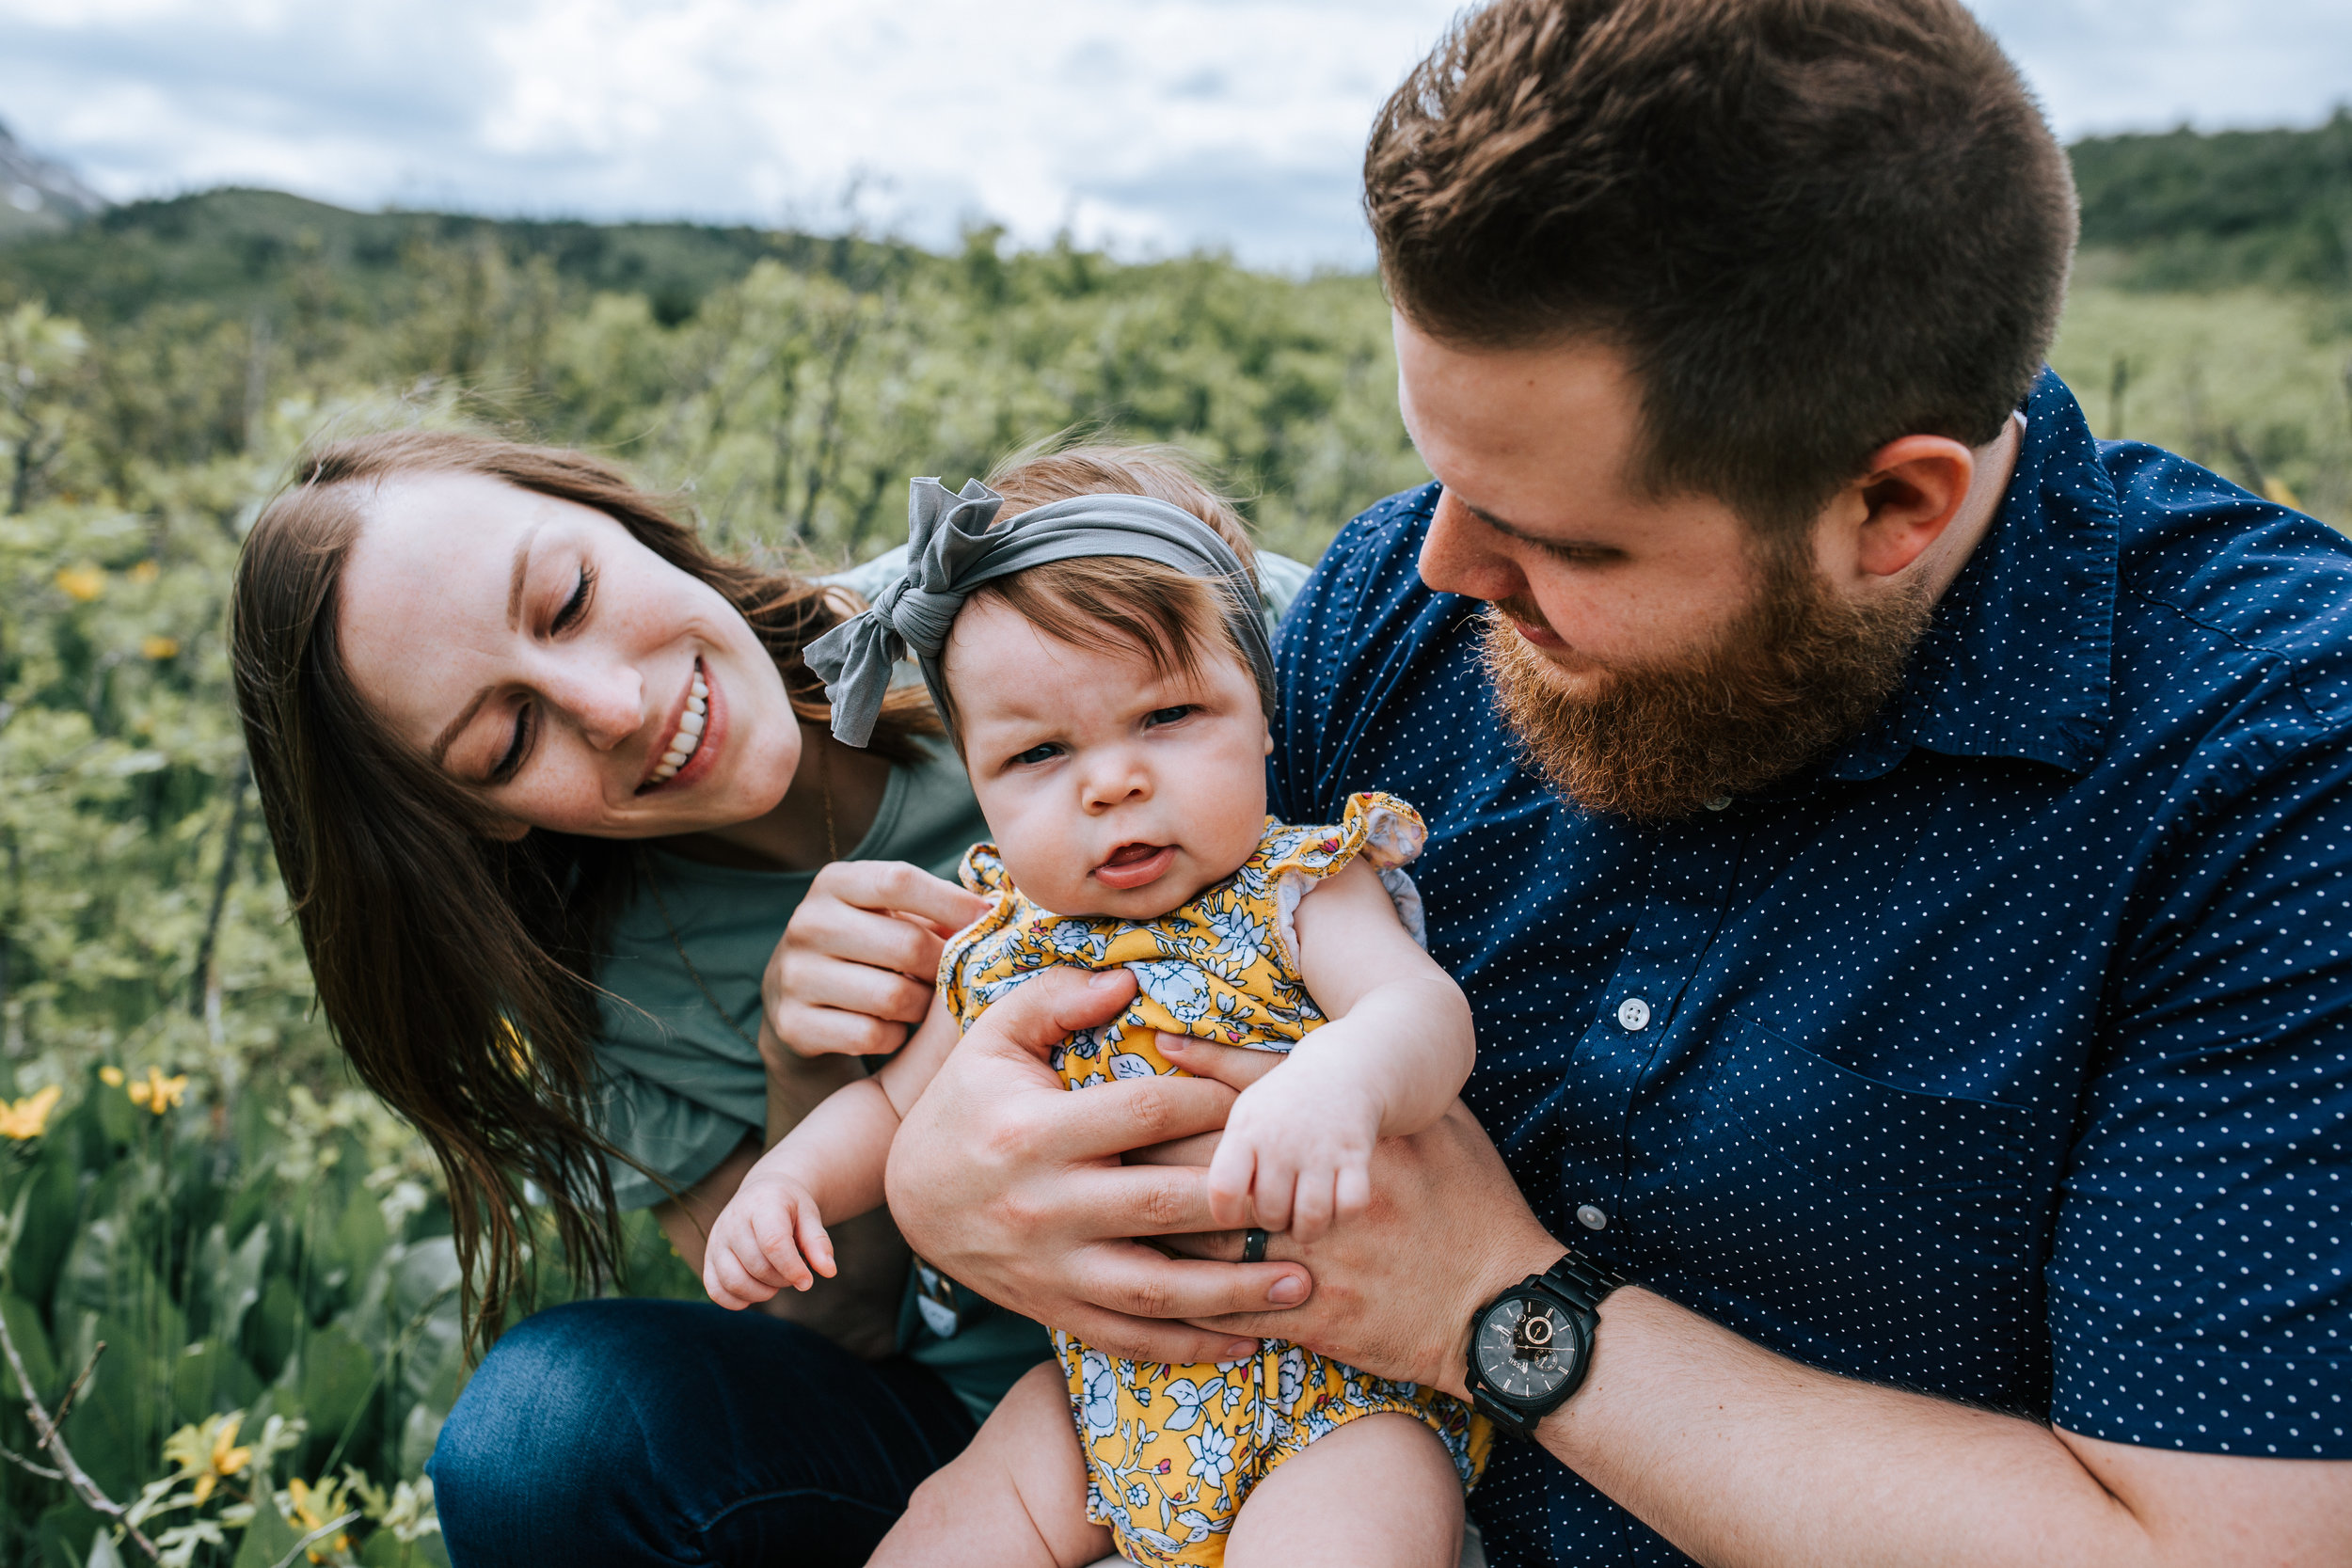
column 951, row 551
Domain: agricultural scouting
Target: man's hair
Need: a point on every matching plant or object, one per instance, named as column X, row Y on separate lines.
column 1111, row 604
column 1810, row 226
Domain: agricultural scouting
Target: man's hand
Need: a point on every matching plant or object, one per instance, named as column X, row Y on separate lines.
column 854, row 972
column 1445, row 1232
column 1012, row 1185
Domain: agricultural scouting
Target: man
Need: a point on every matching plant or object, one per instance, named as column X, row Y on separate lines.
column 1897, row 850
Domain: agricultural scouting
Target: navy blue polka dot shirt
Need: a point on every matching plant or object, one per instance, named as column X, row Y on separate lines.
column 2007, row 1056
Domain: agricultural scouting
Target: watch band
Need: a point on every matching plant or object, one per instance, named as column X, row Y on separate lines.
column 1581, row 1281
column 1577, row 1283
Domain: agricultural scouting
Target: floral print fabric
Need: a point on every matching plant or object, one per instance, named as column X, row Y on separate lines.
column 1173, row 1450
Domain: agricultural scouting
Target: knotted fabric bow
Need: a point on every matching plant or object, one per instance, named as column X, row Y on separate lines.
column 952, row 550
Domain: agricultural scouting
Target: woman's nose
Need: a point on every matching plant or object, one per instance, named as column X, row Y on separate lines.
column 1457, row 556
column 607, row 704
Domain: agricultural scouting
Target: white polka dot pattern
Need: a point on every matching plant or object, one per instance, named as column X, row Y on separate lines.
column 2007, row 1056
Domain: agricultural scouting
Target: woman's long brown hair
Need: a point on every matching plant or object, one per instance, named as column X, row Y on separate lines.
column 456, row 969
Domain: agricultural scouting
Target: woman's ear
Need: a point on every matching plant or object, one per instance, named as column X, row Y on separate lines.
column 506, row 830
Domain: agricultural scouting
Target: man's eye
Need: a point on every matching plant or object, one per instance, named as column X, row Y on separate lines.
column 576, row 606
column 1167, row 715
column 513, row 757
column 1036, row 755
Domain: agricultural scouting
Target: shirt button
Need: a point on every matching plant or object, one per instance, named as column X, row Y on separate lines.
column 1590, row 1216
column 1719, row 802
column 1632, row 1015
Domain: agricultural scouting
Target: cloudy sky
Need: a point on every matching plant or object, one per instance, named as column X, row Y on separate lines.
column 1152, row 125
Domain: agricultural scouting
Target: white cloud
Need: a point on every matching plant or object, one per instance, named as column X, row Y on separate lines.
column 1152, row 124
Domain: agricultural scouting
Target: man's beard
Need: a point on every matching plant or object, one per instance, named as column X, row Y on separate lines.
column 1799, row 672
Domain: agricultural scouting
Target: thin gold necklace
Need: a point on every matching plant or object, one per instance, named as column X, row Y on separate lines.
column 824, row 783
column 653, row 879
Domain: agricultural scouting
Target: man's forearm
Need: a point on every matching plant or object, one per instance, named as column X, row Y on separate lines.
column 1745, row 1459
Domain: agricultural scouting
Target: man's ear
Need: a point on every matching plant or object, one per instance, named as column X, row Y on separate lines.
column 1913, row 490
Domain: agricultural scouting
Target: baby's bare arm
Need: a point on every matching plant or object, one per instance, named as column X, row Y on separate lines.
column 839, row 1151
column 827, row 1170
column 1297, row 1148
column 1399, row 1023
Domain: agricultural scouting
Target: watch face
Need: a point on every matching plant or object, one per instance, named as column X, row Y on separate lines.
column 1527, row 1347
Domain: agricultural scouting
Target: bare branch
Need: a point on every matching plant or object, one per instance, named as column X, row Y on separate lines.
column 319, row 1534
column 67, row 1404
column 52, row 1440
column 17, row 1458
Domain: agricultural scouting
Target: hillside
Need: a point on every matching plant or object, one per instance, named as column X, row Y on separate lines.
column 236, row 249
column 2186, row 210
column 2170, row 211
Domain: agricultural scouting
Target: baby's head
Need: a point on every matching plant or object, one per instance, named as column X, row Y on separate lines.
column 1109, row 715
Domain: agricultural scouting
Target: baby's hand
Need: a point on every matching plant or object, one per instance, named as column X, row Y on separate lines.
column 1297, row 1153
column 760, row 1240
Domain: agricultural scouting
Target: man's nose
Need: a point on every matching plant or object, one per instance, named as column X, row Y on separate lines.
column 1457, row 556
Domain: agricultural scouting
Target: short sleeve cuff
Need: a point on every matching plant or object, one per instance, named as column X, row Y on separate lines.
column 687, row 1150
column 2207, row 1400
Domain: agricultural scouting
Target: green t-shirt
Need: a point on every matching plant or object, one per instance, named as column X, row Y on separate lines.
column 684, row 1084
column 684, row 1088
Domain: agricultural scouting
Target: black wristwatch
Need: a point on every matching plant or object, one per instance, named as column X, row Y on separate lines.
column 1531, row 1346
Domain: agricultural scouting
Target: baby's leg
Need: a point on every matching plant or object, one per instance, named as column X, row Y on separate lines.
column 1015, row 1499
column 1379, row 1491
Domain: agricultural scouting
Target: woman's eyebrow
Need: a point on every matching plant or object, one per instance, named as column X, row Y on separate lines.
column 458, row 726
column 514, row 581
column 516, row 578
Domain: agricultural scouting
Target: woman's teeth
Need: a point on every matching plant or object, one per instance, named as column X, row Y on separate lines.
column 689, row 733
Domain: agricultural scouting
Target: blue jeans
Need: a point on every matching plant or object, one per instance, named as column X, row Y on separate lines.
column 637, row 1431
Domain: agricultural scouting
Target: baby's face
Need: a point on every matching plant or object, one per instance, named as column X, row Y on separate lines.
column 1111, row 789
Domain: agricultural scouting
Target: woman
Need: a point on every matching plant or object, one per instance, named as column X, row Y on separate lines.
column 545, row 781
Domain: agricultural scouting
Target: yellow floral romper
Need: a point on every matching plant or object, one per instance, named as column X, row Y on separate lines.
column 1172, row 1450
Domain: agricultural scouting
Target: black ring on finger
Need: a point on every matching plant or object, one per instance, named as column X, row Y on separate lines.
column 1253, row 1242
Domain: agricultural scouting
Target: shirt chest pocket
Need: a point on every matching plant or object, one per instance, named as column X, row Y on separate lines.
column 1768, row 1099
column 1845, row 1221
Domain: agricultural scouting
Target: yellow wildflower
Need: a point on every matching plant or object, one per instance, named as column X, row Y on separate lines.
column 81, row 583
column 209, row 1453
column 158, row 1093
column 158, row 647
column 111, row 1076
column 517, row 1049
column 146, row 571
column 2276, row 491
column 30, row 1116
column 308, row 1507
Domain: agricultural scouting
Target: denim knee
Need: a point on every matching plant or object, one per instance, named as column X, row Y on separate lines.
column 551, row 1415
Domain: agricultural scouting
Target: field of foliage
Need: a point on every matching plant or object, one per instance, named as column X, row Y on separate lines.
column 187, row 1177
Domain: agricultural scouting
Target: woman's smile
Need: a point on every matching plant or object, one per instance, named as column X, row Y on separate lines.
column 697, row 725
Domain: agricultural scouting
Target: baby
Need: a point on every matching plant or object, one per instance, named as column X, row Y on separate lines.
column 1102, row 667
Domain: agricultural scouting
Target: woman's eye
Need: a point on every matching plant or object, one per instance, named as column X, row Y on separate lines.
column 576, row 606
column 513, row 757
column 1167, row 714
column 1036, row 755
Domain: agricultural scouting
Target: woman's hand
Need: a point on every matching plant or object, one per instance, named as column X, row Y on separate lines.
column 1013, row 1185
column 1445, row 1232
column 855, row 970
